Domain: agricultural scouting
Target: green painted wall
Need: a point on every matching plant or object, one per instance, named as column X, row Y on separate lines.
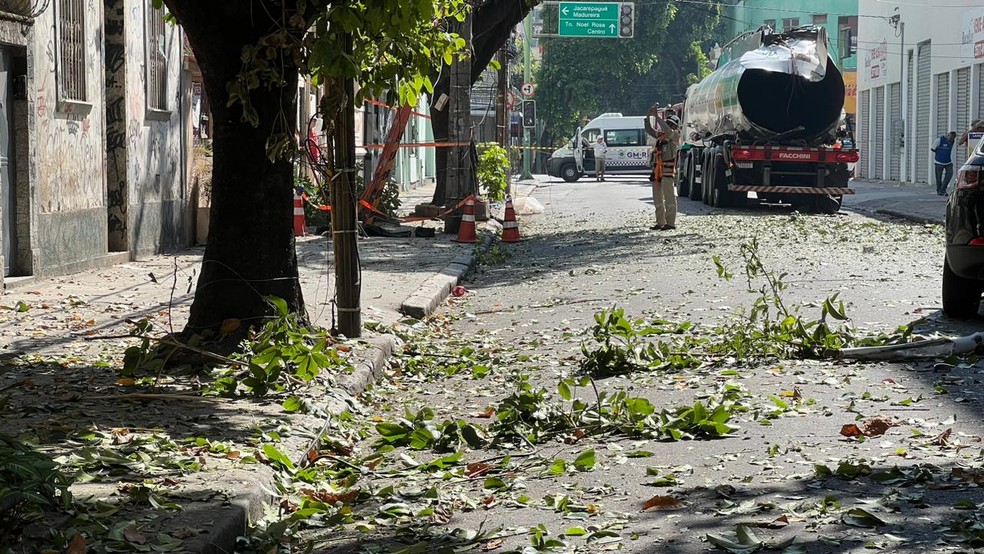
column 748, row 15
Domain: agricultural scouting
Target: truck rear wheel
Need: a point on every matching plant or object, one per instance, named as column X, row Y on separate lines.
column 696, row 189
column 827, row 204
column 719, row 187
column 682, row 177
column 569, row 172
column 708, row 181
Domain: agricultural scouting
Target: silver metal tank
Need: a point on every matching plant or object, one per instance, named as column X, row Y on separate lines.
column 776, row 87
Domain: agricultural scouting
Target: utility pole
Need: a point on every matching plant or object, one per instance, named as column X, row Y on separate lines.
column 527, row 75
column 344, row 210
column 459, row 131
column 502, row 122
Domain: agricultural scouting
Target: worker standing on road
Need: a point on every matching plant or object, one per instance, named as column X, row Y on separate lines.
column 943, row 160
column 664, row 167
column 600, row 149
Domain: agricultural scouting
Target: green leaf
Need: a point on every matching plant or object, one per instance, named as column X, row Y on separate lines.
column 585, row 461
column 271, row 452
column 858, row 517
column 639, row 454
column 558, row 467
column 564, row 391
column 279, row 304
column 292, row 405
column 731, row 545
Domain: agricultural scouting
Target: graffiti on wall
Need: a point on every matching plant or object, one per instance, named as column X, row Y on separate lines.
column 116, row 172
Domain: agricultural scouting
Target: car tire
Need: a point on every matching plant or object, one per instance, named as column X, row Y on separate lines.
column 961, row 296
column 568, row 172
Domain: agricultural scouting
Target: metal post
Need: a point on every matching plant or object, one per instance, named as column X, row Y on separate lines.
column 527, row 75
column 344, row 218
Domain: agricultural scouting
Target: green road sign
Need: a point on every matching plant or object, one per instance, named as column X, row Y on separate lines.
column 596, row 19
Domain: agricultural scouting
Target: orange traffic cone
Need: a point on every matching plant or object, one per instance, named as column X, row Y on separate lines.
column 466, row 229
column 510, row 228
column 299, row 227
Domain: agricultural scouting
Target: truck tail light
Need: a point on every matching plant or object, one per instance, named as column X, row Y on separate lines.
column 969, row 177
column 846, row 157
column 741, row 154
column 976, row 241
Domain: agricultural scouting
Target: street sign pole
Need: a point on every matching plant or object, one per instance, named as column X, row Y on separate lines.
column 527, row 74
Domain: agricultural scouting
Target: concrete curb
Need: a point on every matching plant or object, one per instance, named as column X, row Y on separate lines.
column 422, row 302
column 368, row 370
column 914, row 218
column 255, row 490
column 249, row 502
column 908, row 217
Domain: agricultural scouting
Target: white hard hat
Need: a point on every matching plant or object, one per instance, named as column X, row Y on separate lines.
column 673, row 119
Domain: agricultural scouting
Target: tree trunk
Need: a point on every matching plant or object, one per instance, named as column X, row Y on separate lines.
column 492, row 24
column 250, row 250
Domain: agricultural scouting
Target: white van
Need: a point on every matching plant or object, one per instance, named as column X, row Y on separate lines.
column 628, row 148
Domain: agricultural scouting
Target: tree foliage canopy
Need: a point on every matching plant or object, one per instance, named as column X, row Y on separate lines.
column 584, row 77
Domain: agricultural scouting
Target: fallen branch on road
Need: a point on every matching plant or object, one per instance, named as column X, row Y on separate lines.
column 931, row 348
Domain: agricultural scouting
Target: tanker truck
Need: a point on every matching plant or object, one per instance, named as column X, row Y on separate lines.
column 768, row 120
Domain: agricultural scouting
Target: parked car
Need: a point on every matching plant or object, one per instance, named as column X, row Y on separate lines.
column 963, row 265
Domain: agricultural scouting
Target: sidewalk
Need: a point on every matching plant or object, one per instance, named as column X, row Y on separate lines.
column 912, row 201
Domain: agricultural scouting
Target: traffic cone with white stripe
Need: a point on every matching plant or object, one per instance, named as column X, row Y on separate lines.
column 466, row 229
column 510, row 227
column 299, row 224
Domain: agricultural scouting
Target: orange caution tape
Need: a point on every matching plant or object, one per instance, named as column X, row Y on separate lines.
column 422, row 145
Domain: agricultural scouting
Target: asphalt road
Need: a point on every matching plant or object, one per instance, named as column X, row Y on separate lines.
column 786, row 470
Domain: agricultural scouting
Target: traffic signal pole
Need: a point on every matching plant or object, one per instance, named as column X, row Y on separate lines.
column 527, row 73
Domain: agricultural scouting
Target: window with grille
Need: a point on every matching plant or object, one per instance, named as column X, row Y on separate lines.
column 70, row 31
column 770, row 23
column 790, row 23
column 156, row 62
column 820, row 19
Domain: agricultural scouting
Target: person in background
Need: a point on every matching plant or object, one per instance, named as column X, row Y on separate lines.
column 600, row 149
column 943, row 160
column 664, row 166
column 976, row 127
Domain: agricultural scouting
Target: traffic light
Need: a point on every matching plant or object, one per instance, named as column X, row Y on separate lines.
column 529, row 113
column 626, row 23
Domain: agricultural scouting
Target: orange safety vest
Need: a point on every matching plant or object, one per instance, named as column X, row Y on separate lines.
column 663, row 168
column 668, row 168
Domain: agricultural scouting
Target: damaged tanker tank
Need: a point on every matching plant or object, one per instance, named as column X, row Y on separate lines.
column 769, row 120
column 787, row 86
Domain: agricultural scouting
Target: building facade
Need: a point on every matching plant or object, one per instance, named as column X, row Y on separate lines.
column 921, row 77
column 93, row 157
column 838, row 17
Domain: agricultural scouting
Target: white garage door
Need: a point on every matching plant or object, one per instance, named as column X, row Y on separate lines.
column 921, row 150
column 865, row 148
column 878, row 128
column 963, row 112
column 895, row 132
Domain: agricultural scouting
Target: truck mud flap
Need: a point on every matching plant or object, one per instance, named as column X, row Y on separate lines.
column 833, row 191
